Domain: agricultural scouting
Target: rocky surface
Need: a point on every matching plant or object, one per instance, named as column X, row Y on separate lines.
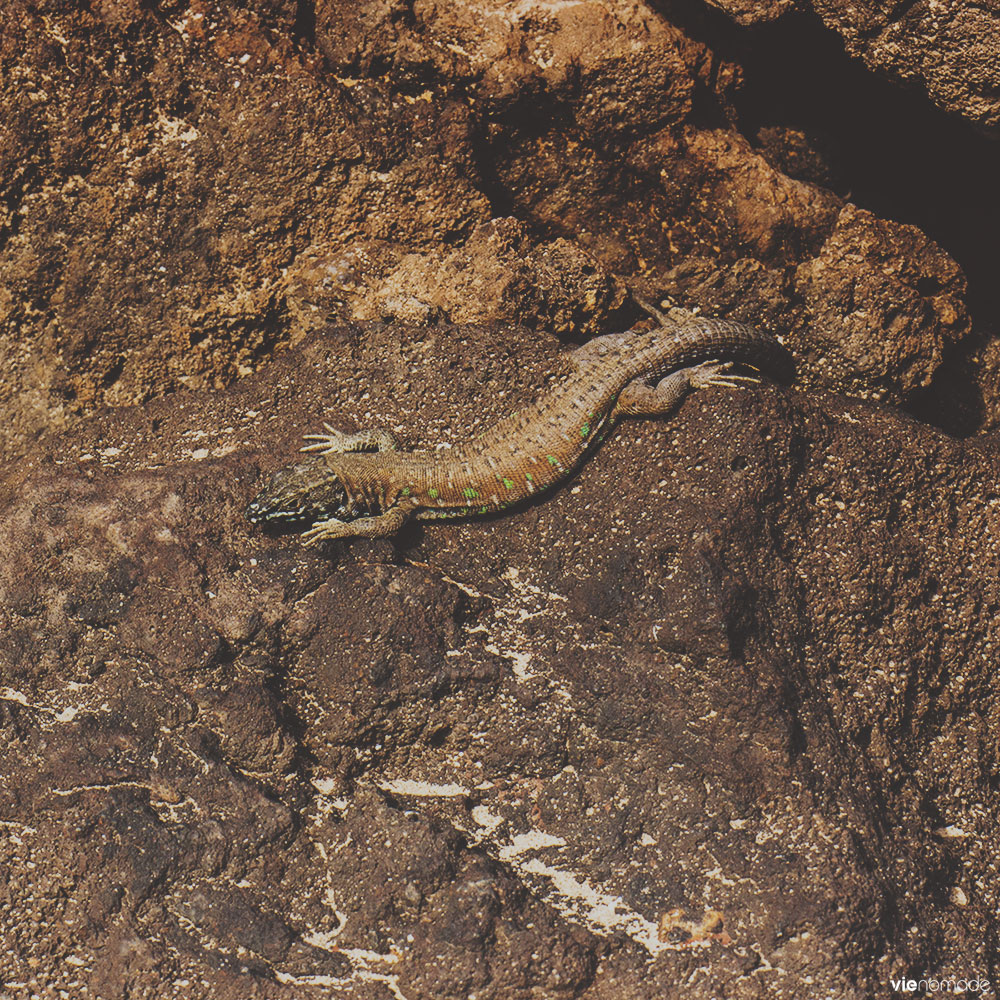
column 950, row 51
column 715, row 714
column 715, row 719
column 177, row 214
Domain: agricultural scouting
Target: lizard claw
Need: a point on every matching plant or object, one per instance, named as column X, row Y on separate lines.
column 332, row 441
column 324, row 531
column 718, row 373
column 707, row 373
column 733, row 381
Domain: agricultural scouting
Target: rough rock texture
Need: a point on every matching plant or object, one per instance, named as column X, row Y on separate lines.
column 716, row 719
column 175, row 215
column 716, row 714
column 950, row 50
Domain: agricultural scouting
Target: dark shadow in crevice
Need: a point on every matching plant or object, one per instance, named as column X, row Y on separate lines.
column 886, row 147
column 880, row 144
column 891, row 150
column 304, row 27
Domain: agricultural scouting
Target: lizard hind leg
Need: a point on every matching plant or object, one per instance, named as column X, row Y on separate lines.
column 334, row 441
column 637, row 398
column 718, row 373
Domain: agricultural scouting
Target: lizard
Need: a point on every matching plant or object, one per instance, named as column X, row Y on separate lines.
column 362, row 485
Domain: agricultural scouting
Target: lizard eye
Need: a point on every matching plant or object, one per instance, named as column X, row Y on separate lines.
column 307, row 491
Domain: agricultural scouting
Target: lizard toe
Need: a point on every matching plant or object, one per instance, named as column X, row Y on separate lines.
column 324, row 531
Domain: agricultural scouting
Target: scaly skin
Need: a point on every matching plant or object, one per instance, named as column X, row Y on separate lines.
column 348, row 491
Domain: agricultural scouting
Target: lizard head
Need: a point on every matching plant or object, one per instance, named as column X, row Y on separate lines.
column 309, row 491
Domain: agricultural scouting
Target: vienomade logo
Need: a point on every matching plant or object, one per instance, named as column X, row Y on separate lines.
column 935, row 985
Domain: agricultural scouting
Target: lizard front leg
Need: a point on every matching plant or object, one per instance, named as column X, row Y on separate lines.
column 638, row 399
column 335, row 441
column 382, row 526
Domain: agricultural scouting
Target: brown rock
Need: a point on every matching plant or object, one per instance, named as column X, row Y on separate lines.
column 712, row 719
column 712, row 676
column 879, row 325
column 179, row 236
column 950, row 50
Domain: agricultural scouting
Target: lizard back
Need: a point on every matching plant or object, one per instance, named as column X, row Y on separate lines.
column 541, row 444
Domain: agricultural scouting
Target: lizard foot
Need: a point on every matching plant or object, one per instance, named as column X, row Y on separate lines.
column 383, row 525
column 337, row 442
column 327, row 531
column 718, row 373
column 325, row 444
